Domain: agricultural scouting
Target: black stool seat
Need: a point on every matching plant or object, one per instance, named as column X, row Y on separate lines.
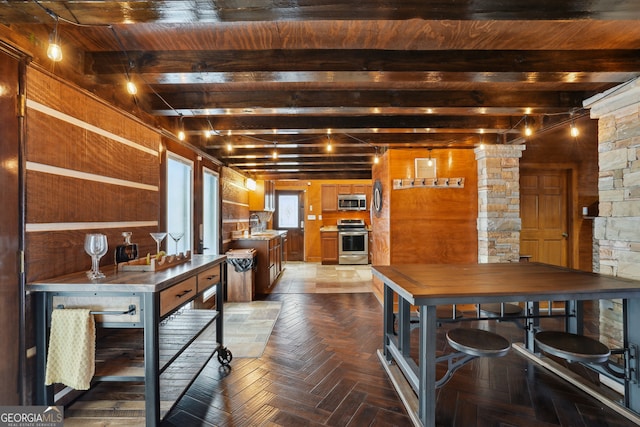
column 495, row 309
column 572, row 347
column 477, row 342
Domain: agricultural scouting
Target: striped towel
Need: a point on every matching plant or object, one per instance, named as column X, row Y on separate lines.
column 72, row 348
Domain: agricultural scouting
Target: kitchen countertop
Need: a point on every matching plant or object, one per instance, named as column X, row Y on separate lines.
column 262, row 235
column 127, row 281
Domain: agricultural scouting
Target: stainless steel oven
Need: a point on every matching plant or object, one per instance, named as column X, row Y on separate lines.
column 353, row 242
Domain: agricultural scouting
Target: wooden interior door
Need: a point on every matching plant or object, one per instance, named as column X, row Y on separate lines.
column 295, row 233
column 543, row 209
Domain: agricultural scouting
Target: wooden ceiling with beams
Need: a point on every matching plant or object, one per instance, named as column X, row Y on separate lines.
column 245, row 78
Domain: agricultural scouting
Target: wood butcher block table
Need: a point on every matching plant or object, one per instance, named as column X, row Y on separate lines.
column 429, row 285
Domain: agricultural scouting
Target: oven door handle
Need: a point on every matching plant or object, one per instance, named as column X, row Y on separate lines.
column 352, row 233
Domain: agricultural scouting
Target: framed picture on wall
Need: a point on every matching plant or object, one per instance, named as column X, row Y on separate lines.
column 426, row 168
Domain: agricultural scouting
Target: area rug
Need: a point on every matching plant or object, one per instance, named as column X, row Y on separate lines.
column 248, row 325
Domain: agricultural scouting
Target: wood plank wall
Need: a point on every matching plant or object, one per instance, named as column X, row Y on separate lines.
column 90, row 168
column 235, row 205
column 434, row 225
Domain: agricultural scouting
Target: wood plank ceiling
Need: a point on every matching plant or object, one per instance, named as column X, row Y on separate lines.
column 366, row 76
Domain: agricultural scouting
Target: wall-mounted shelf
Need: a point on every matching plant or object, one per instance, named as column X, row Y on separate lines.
column 403, row 184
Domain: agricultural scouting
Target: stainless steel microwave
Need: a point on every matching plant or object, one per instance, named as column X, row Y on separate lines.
column 352, row 202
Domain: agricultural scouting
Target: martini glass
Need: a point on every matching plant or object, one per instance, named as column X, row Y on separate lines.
column 176, row 236
column 158, row 237
column 95, row 245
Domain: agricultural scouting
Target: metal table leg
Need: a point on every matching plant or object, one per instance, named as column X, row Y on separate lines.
column 427, row 357
column 150, row 318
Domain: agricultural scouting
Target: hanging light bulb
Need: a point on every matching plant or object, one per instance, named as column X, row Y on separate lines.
column 574, row 130
column 527, row 130
column 131, row 87
column 430, row 160
column 54, row 51
column 229, row 145
column 274, row 155
column 181, row 134
column 329, row 147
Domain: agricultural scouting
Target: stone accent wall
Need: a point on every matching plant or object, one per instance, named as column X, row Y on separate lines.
column 499, row 222
column 617, row 229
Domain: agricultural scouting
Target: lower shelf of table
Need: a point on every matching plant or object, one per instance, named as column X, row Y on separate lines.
column 187, row 342
column 120, row 352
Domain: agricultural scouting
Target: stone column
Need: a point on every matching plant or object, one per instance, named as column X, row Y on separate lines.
column 499, row 222
column 617, row 228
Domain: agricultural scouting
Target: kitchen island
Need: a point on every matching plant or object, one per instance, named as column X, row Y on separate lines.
column 146, row 301
column 271, row 255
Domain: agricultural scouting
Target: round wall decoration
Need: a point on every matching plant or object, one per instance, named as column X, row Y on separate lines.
column 377, row 197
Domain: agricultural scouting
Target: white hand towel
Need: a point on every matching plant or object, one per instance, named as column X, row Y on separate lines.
column 72, row 348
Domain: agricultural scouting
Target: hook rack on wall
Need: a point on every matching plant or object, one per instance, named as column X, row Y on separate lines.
column 403, row 184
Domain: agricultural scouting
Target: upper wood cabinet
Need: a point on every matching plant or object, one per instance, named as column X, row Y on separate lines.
column 330, row 194
column 263, row 198
column 345, row 189
column 359, row 189
column 329, row 197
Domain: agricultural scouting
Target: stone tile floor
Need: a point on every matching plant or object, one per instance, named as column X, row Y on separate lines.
column 310, row 277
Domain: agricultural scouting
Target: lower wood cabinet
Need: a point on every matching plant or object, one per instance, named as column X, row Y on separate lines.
column 329, row 243
column 268, row 258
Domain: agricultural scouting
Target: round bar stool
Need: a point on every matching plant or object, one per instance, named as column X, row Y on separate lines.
column 478, row 342
column 572, row 347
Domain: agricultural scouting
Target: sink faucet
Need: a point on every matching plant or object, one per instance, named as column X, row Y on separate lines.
column 254, row 222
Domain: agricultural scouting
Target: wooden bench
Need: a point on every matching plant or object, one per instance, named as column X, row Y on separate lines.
column 572, row 347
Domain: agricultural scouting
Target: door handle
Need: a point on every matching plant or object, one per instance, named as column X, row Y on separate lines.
column 565, row 234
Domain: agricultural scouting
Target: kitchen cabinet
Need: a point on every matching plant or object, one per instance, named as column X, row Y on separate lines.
column 329, row 197
column 329, row 241
column 135, row 310
column 263, row 198
column 269, row 258
column 345, row 189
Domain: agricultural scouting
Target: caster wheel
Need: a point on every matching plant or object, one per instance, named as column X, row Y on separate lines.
column 224, row 356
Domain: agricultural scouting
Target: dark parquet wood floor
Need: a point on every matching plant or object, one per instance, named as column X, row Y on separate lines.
column 320, row 368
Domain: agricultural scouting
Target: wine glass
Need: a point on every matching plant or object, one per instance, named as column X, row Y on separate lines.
column 158, row 237
column 95, row 245
column 176, row 236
